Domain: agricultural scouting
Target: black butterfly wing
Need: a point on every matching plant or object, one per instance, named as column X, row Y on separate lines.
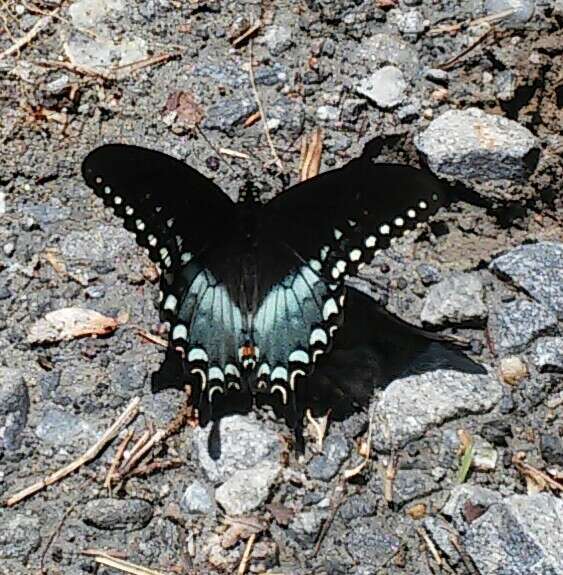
column 346, row 215
column 174, row 211
column 332, row 224
column 180, row 217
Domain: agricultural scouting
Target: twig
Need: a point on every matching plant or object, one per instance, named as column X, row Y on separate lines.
column 389, row 480
column 467, row 561
column 349, row 473
column 277, row 160
column 450, row 63
column 214, row 148
column 246, row 555
column 130, row 412
column 536, row 475
column 117, row 458
column 458, row 26
column 158, row 465
column 326, row 526
column 134, row 459
column 151, row 61
column 55, row 533
column 126, row 566
column 26, row 38
column 311, row 152
column 234, row 153
column 320, row 427
column 112, row 74
column 143, row 333
column 252, row 119
column 247, row 33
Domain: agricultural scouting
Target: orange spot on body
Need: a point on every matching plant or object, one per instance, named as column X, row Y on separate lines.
column 247, row 351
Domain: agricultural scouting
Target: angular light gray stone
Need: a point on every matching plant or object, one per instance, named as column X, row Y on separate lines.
column 385, row 87
column 383, row 49
column 244, row 444
column 61, row 429
column 548, row 354
column 103, row 53
column 461, row 495
column 523, row 534
column 411, row 23
column 537, row 269
column 513, row 325
column 247, row 489
column 473, row 144
column 85, row 13
column 414, row 404
column 278, row 39
column 456, row 299
column 197, row 499
column 14, row 407
column 103, row 244
column 117, row 514
column 523, row 10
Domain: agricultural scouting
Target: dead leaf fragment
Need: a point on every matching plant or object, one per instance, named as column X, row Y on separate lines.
column 189, row 113
column 70, row 323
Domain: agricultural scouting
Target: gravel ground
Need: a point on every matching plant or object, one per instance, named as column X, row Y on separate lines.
column 473, row 89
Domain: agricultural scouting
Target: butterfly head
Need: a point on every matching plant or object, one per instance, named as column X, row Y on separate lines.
column 248, row 355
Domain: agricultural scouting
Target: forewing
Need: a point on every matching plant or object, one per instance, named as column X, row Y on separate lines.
column 173, row 210
column 342, row 217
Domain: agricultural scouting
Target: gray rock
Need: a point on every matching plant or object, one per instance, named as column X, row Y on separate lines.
column 103, row 244
column 408, row 112
column 228, row 74
column 326, row 465
column 461, row 495
column 370, row 544
column 227, row 113
column 289, row 113
column 197, row 499
column 306, row 525
column 523, row 10
column 523, row 534
column 456, row 299
column 14, row 408
column 117, row 514
column 328, row 113
column 244, row 444
column 412, row 405
column 513, row 325
column 278, row 39
column 411, row 23
column 428, row 274
column 384, row 49
column 548, row 354
column 437, row 75
column 85, row 13
column 441, row 533
column 358, row 506
column 103, row 53
column 385, row 87
column 411, row 484
column 551, row 447
column 19, row 536
column 247, row 489
column 473, row 144
column 61, row 429
column 537, row 269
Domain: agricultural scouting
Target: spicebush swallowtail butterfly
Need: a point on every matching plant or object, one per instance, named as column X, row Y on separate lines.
column 254, row 293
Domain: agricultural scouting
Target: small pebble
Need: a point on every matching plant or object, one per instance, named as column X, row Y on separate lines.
column 512, row 370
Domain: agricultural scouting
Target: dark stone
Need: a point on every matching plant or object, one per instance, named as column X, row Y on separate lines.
column 358, row 506
column 14, row 408
column 117, row 514
column 496, row 432
column 369, row 543
column 326, row 465
column 551, row 449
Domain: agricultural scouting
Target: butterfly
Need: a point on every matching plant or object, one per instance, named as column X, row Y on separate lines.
column 255, row 293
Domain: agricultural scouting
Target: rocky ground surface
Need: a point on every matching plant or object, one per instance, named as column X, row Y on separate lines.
column 465, row 471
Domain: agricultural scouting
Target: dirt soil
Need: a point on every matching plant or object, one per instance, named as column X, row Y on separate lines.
column 190, row 97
